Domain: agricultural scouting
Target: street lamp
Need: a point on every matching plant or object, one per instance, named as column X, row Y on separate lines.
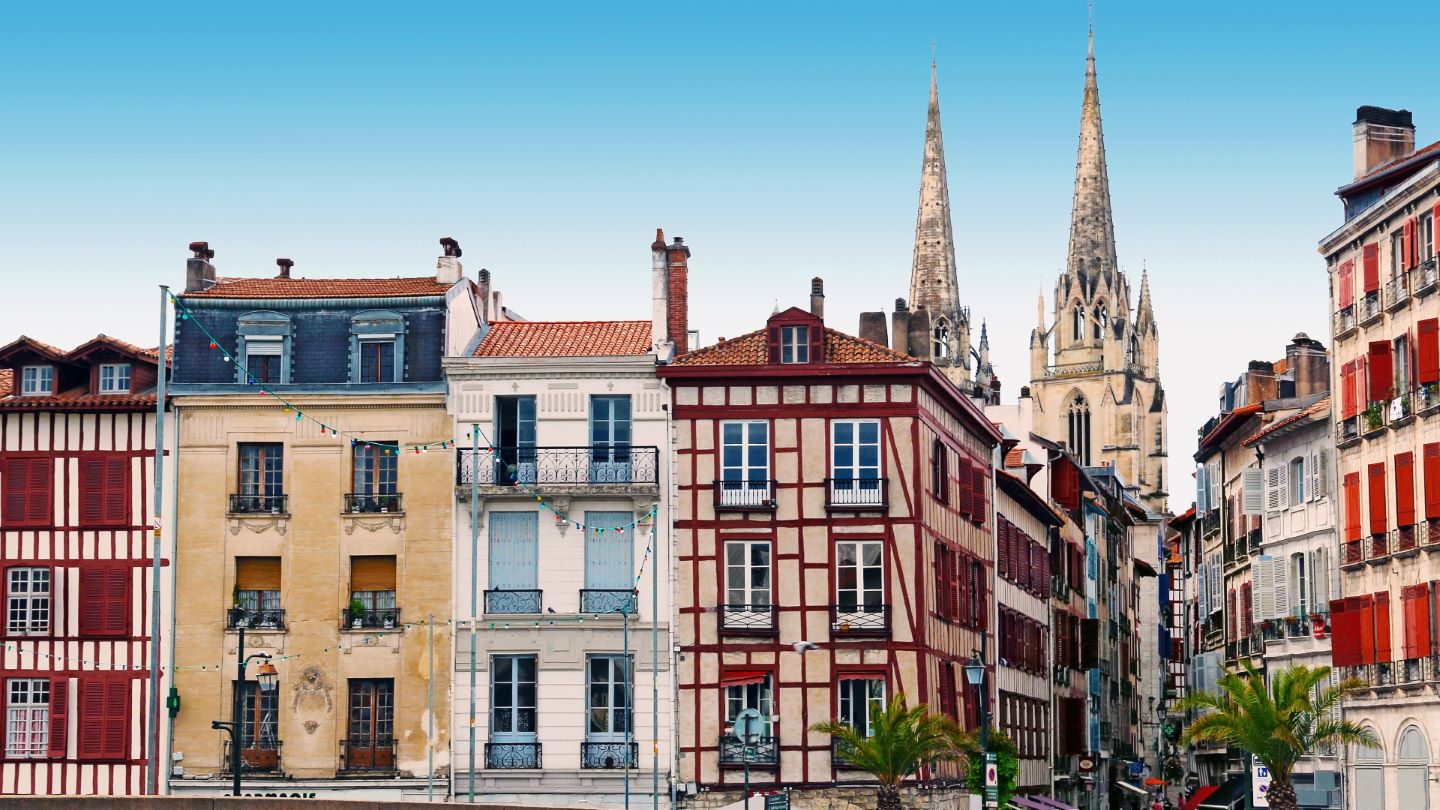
column 745, row 731
column 267, row 678
column 975, row 676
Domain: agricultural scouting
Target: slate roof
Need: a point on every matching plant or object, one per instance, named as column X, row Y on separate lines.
column 565, row 339
column 752, row 350
column 322, row 288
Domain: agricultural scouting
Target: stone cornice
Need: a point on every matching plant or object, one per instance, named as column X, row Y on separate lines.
column 331, row 402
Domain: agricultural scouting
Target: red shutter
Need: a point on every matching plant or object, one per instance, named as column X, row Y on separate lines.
column 942, row 579
column 1411, row 647
column 117, row 718
column 1407, row 245
column 27, row 487
column 1427, row 350
column 1002, row 561
column 816, row 333
column 92, row 601
column 1345, row 280
column 1344, row 634
column 1405, row 489
column 1247, row 615
column 15, row 486
column 1231, row 620
column 92, row 491
column 1365, row 611
column 59, row 716
column 117, row 491
column 1352, row 506
column 91, row 744
column 1378, row 523
column 104, row 601
column 774, row 335
column 1383, row 651
column 117, row 601
column 957, row 587
column 1382, row 371
column 1432, row 480
column 979, row 507
column 1348, row 403
column 963, row 472
column 1371, row 267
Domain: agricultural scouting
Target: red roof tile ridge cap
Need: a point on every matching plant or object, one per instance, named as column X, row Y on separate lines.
column 870, row 343
column 544, row 323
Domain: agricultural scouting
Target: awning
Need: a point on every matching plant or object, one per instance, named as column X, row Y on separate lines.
column 1139, row 791
column 743, row 677
column 1229, row 793
column 1052, row 804
column 1026, row 802
column 1200, row 795
column 1143, row 568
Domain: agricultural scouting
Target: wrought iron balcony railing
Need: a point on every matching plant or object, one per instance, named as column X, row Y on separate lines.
column 1370, row 308
column 593, row 600
column 856, row 494
column 1345, row 322
column 361, row 503
column 765, row 751
column 747, row 619
column 541, row 466
column 1397, row 292
column 258, row 756
column 609, row 755
column 367, row 754
column 506, row 601
column 744, row 496
column 1424, row 276
column 239, row 617
column 376, row 618
column 838, row 752
column 512, row 755
column 259, row 504
column 860, row 620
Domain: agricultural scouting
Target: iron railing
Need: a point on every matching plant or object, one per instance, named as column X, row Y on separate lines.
column 838, row 751
column 367, row 754
column 1430, row 536
column 512, row 755
column 507, row 601
column 1347, row 431
column 239, row 617
column 856, row 493
column 586, row 464
column 1379, row 547
column 1345, row 322
column 258, row 756
column 595, row 600
column 1369, row 308
column 361, row 503
column 744, row 496
column 1424, row 277
column 259, row 504
column 765, row 751
column 1397, row 292
column 609, row 755
column 370, row 618
column 1403, row 539
column 860, row 620
column 747, row 619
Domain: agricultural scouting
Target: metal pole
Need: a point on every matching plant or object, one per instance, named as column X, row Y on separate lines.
column 654, row 669
column 745, row 755
column 430, row 713
column 152, row 747
column 237, row 728
column 474, row 584
column 629, row 687
column 167, row 762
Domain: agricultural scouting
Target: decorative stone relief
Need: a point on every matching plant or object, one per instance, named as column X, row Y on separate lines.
column 258, row 524
column 313, row 695
column 372, row 522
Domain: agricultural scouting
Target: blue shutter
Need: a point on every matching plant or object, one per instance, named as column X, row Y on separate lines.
column 514, row 550
column 609, row 561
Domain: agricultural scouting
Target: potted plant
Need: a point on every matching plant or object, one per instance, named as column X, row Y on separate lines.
column 1374, row 420
column 389, row 621
column 357, row 613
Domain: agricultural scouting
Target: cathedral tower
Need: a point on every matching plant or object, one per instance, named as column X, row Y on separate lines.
column 1094, row 369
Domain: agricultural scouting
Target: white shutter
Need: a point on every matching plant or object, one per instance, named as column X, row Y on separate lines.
column 1212, row 479
column 1319, row 581
column 1313, row 482
column 1278, row 583
column 1252, row 486
column 1202, row 491
column 1273, row 488
column 1262, row 590
column 1322, row 472
column 1217, row 585
column 1202, row 596
column 1283, row 487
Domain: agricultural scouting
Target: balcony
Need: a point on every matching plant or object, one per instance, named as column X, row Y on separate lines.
column 1347, row 432
column 1354, row 554
column 747, row 620
column 837, row 756
column 238, row 617
column 1369, row 308
column 856, row 494
column 259, row 504
column 1373, row 420
column 365, row 504
column 609, row 755
column 1430, row 535
column 1209, row 523
column 506, row 602
column 765, row 752
column 367, row 754
column 1379, row 550
column 859, row 620
column 1404, row 542
column 1345, row 323
column 1423, row 277
column 1397, row 293
column 603, row 601
column 259, row 756
column 1427, row 399
column 512, row 755
column 370, row 619
column 744, row 496
column 584, row 466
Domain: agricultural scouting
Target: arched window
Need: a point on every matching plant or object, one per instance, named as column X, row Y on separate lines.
column 942, row 341
column 1078, row 333
column 1413, row 773
column 1102, row 322
column 1369, row 778
column 1078, row 418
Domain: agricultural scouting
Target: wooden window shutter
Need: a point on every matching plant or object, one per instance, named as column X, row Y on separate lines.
column 92, row 492
column 1344, row 634
column 372, row 573
column 1410, row 597
column 979, row 506
column 117, row 491
column 257, row 573
column 942, row 579
column 28, row 486
column 774, row 335
column 1352, row 503
column 1420, row 616
column 1378, row 522
column 1345, row 280
column 104, row 606
column 59, row 717
column 16, row 485
column 1365, row 611
column 954, row 595
column 1405, row 489
column 1003, row 563
column 1427, row 351
column 1231, row 620
column 1382, row 370
column 117, row 602
column 117, row 717
column 963, row 474
column 816, row 333
column 1383, row 651
column 1247, row 610
column 1407, row 244
column 1348, row 405
column 1371, row 266
column 1089, row 643
column 1431, row 472
column 91, row 744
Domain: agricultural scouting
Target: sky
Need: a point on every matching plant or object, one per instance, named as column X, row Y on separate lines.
column 781, row 140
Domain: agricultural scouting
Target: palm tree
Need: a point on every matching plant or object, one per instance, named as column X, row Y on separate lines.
column 901, row 740
column 1277, row 725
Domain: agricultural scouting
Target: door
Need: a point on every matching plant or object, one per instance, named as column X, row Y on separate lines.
column 514, row 561
column 515, row 440
column 512, row 712
column 747, row 584
column 260, row 721
column 744, row 463
column 609, row 563
column 860, row 583
column 371, row 740
column 610, row 440
column 855, row 462
column 607, row 706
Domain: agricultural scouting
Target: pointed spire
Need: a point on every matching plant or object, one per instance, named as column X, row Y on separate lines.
column 932, row 274
column 1092, row 228
column 1144, row 312
column 1040, row 311
column 984, row 337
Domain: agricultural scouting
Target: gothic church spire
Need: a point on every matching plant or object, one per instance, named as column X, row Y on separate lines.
column 932, row 274
column 1092, row 229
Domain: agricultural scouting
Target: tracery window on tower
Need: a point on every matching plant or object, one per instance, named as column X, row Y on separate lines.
column 1078, row 423
column 1078, row 332
column 1102, row 322
column 941, row 349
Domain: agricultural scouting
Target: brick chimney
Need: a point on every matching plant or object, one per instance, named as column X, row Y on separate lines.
column 873, row 328
column 1309, row 364
column 900, row 327
column 1381, row 136
column 677, row 295
column 199, row 272
column 817, row 297
column 447, row 268
column 285, row 265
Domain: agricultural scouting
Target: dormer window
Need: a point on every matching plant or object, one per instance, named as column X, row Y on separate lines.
column 794, row 344
column 377, row 347
column 37, row 381
column 115, row 378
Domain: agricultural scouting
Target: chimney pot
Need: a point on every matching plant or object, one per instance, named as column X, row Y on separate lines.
column 817, row 297
column 451, row 247
column 199, row 272
column 285, row 265
column 1381, row 136
column 679, row 240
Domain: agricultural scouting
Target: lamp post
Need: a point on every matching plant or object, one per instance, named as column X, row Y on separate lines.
column 975, row 676
column 268, row 679
column 745, row 730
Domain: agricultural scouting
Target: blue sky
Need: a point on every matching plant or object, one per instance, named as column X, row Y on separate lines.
column 781, row 140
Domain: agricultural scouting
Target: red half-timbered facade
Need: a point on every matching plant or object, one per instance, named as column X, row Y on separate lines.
column 77, row 451
column 834, row 492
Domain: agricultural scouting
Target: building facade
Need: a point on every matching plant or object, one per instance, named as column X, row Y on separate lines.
column 834, row 526
column 563, row 465
column 77, row 480
column 1385, row 371
column 316, row 525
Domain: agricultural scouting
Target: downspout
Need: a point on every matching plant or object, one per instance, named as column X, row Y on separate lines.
column 669, row 495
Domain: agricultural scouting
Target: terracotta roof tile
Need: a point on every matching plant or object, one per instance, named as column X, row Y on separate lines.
column 7, row 381
column 77, row 399
column 1015, row 458
column 751, row 350
column 1387, row 166
column 1320, row 406
column 565, row 339
column 322, row 288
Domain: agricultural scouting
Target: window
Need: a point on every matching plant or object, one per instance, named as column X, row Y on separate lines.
column 259, row 721
column 257, row 592
column 27, row 718
column 27, row 601
column 370, row 741
column 1297, row 480
column 941, row 349
column 794, row 344
column 858, row 695
column 115, row 378
column 607, row 697
column 105, row 717
column 37, row 381
column 262, row 478
column 372, row 592
column 855, row 462
column 375, row 479
column 750, row 691
column 859, row 575
column 28, row 484
column 105, row 601
column 515, row 435
column 1077, row 331
column 264, row 359
column 105, row 491
column 1402, row 366
column 940, row 471
column 1397, row 253
column 747, row 584
column 1425, row 236
column 377, row 361
column 1102, row 320
column 610, row 439
column 1079, row 430
column 512, row 712
column 1299, row 585
column 263, row 348
column 744, row 462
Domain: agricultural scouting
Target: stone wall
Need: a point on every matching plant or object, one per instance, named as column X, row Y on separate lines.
column 843, row 798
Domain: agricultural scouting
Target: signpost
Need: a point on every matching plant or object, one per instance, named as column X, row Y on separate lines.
column 1259, row 784
column 992, row 780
